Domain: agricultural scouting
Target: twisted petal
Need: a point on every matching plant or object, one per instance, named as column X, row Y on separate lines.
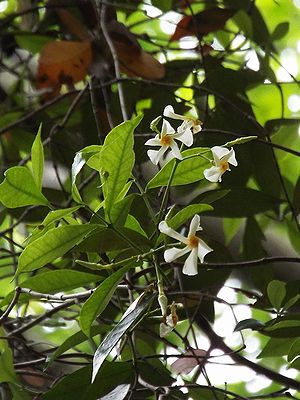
column 219, row 152
column 174, row 253
column 175, row 150
column 185, row 134
column 194, row 225
column 169, row 112
column 164, row 228
column 231, row 158
column 156, row 155
column 213, row 174
column 197, row 128
column 203, row 249
column 190, row 265
column 167, row 128
column 153, row 142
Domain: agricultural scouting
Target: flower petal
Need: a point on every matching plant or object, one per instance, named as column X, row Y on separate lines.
column 190, row 265
column 174, row 253
column 231, row 158
column 169, row 112
column 156, row 155
column 164, row 228
column 185, row 134
column 197, row 128
column 167, row 128
column 218, row 152
column 213, row 174
column 153, row 142
column 175, row 150
column 194, row 225
column 203, row 249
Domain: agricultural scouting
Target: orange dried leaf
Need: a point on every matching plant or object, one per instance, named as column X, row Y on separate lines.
column 210, row 20
column 139, row 63
column 64, row 62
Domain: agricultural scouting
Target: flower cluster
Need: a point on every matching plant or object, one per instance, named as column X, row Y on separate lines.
column 166, row 139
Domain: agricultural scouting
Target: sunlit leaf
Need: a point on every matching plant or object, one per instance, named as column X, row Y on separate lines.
column 117, row 160
column 276, row 293
column 37, row 158
column 19, row 189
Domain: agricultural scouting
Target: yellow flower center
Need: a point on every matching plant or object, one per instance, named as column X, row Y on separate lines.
column 193, row 241
column 224, row 166
column 166, row 140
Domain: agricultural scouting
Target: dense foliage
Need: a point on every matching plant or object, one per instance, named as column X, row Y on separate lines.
column 123, row 126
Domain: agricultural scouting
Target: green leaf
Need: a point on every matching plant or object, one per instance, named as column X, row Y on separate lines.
column 7, row 372
column 32, row 43
column 50, row 218
column 98, row 301
column 283, row 329
column 55, row 243
column 19, row 189
column 117, row 160
column 276, row 292
column 294, row 350
column 117, row 333
column 37, row 158
column 244, row 22
column 73, row 341
column 133, row 224
column 249, row 323
column 164, row 5
column 182, row 216
column 274, row 125
column 276, row 347
column 189, row 170
column 78, row 385
column 296, row 197
column 280, row 31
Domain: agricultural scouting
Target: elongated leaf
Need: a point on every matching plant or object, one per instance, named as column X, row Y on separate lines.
column 99, row 299
column 55, row 243
column 182, row 216
column 189, row 170
column 50, row 218
column 294, row 350
column 276, row 292
column 116, row 334
column 249, row 323
column 78, row 384
column 55, row 281
column 19, row 189
column 7, row 372
column 117, row 160
column 276, row 347
column 74, row 340
column 280, row 31
column 37, row 158
column 283, row 329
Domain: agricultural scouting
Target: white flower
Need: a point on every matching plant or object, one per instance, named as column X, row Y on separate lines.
column 222, row 158
column 196, row 246
column 166, row 140
column 189, row 124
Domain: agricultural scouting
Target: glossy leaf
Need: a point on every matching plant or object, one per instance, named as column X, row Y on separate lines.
column 55, row 243
column 117, row 333
column 19, row 189
column 117, row 160
column 189, row 170
column 294, row 350
column 249, row 323
column 98, row 301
